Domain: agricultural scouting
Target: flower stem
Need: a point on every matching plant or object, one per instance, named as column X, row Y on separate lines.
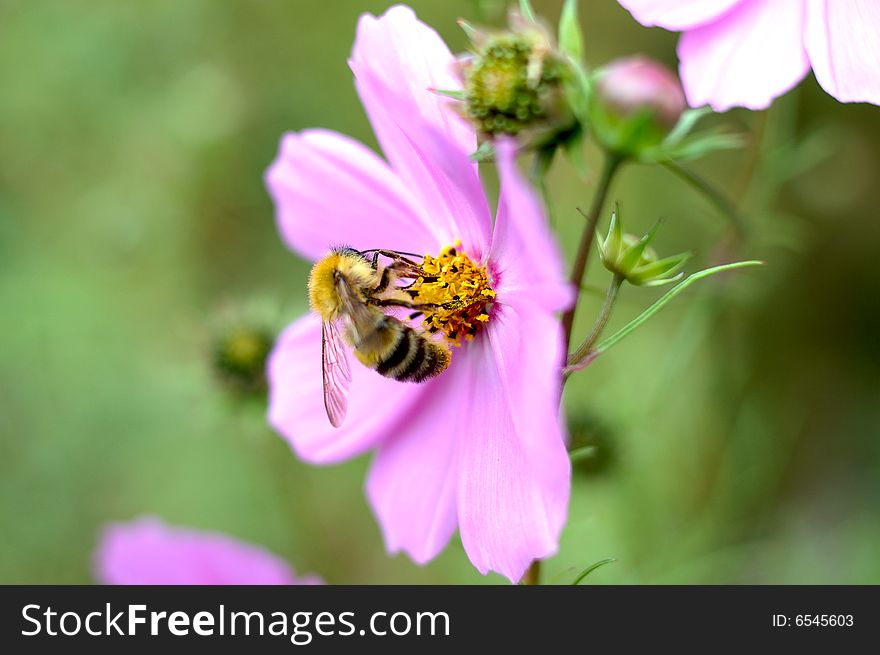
column 712, row 194
column 578, row 358
column 612, row 164
column 533, row 573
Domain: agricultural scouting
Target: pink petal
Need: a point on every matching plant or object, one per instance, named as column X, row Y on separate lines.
column 412, row 482
column 296, row 404
column 406, row 55
column 677, row 15
column 509, row 512
column 747, row 58
column 524, row 258
column 439, row 173
column 148, row 552
column 396, row 61
column 843, row 41
column 527, row 345
column 328, row 189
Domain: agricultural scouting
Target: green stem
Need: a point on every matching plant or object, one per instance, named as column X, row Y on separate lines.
column 712, row 194
column 611, row 166
column 583, row 351
column 533, row 573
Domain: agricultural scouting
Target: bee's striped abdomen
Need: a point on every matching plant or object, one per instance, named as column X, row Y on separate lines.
column 413, row 357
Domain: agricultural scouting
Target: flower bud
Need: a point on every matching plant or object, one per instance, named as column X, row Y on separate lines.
column 632, row 259
column 240, row 354
column 637, row 101
column 515, row 84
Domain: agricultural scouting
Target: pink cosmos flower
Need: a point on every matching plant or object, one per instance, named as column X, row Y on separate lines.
column 148, row 552
column 480, row 446
column 748, row 52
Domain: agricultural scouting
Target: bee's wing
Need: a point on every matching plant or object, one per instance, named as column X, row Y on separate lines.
column 336, row 373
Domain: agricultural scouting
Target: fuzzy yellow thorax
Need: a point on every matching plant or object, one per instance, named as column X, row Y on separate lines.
column 461, row 288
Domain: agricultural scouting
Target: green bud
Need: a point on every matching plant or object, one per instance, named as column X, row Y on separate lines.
column 632, row 259
column 239, row 356
column 636, row 103
column 516, row 83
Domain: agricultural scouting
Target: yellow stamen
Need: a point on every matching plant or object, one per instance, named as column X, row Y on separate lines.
column 461, row 289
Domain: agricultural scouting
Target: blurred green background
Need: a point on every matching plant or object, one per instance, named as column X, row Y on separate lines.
column 736, row 435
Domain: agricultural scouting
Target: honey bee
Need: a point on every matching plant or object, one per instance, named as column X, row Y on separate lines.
column 348, row 289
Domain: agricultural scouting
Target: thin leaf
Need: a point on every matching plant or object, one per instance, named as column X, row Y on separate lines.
column 583, row 574
column 618, row 336
column 571, row 40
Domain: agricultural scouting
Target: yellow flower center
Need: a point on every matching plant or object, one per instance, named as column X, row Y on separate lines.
column 461, row 290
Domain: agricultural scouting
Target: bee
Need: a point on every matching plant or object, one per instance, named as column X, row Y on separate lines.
column 348, row 289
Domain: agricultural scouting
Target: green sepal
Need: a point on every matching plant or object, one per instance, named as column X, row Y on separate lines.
column 525, row 8
column 685, row 124
column 571, row 39
column 632, row 257
column 471, row 32
column 451, row 93
column 574, row 150
column 656, row 273
column 485, row 153
column 541, row 164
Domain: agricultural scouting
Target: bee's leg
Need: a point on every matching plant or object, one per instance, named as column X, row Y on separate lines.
column 393, row 255
column 396, row 302
column 384, row 280
column 415, row 315
column 398, row 256
column 420, row 307
column 420, row 278
column 375, row 262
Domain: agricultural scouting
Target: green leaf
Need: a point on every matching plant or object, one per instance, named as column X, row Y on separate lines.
column 592, row 567
column 525, row 8
column 571, row 40
column 618, row 336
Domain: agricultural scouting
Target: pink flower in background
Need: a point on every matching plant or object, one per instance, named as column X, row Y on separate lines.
column 148, row 552
column 748, row 52
column 480, row 446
